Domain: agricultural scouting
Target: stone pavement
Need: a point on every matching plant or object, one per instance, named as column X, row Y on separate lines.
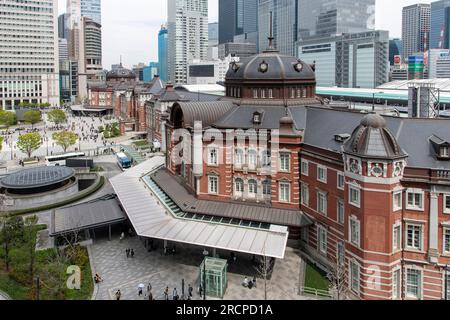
column 119, row 272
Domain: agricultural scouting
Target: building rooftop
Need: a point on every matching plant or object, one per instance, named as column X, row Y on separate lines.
column 37, row 177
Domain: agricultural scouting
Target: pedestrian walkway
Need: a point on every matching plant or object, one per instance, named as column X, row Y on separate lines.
column 133, row 153
column 120, row 272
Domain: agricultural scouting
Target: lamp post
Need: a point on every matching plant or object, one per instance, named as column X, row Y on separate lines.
column 205, row 254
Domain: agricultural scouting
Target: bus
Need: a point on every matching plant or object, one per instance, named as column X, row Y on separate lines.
column 60, row 160
column 123, row 160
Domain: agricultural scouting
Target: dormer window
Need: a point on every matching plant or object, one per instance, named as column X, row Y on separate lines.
column 444, row 152
column 342, row 137
column 257, row 118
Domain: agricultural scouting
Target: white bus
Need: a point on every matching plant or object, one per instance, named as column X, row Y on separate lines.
column 60, row 160
column 123, row 161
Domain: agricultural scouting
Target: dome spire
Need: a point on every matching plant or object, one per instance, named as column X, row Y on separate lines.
column 271, row 47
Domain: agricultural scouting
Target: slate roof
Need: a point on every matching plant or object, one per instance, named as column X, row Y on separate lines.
column 207, row 112
column 189, row 203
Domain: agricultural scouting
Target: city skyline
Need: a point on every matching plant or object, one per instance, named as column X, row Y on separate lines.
column 138, row 37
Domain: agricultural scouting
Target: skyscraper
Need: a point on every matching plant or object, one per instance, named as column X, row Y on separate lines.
column 63, row 29
column 440, row 24
column 284, row 23
column 213, row 34
column 29, row 61
column 162, row 53
column 237, row 17
column 335, row 17
column 415, row 29
column 188, row 36
column 395, row 49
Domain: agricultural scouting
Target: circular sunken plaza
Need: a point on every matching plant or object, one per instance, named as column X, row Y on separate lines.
column 39, row 186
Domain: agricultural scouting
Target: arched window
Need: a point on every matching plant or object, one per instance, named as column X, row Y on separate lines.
column 252, row 187
column 239, row 157
column 266, row 158
column 252, row 158
column 270, row 94
column 255, row 93
column 239, row 185
column 267, row 187
column 212, row 157
column 263, row 93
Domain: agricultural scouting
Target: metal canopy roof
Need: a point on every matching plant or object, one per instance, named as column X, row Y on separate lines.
column 100, row 212
column 37, row 177
column 151, row 218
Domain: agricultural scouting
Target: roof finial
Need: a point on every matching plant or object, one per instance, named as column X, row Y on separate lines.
column 271, row 31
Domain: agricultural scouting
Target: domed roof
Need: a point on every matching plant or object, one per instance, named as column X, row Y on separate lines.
column 121, row 73
column 270, row 65
column 372, row 139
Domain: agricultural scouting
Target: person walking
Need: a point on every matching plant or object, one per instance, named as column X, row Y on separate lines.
column 149, row 287
column 190, row 290
column 132, row 253
column 128, row 253
column 166, row 293
column 150, row 296
column 118, row 294
column 139, row 291
column 175, row 294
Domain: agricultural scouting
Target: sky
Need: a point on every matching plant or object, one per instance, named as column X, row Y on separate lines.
column 130, row 27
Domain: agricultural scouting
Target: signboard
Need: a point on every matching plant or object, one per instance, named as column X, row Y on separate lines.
column 397, row 60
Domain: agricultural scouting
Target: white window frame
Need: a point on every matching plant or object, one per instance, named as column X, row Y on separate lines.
column 338, row 177
column 444, row 152
column 241, row 157
column 412, row 247
column 340, row 211
column 267, row 184
column 445, row 209
column 350, row 201
column 397, row 237
column 241, row 184
column 280, row 197
column 252, row 158
column 304, row 190
column 340, row 249
column 354, row 266
column 325, row 173
column 396, row 207
column 321, row 194
column 282, row 162
column 444, row 231
column 419, row 284
column 354, row 239
column 210, row 190
column 414, row 206
column 322, row 239
column 396, row 283
column 305, row 168
column 254, row 184
column 211, row 161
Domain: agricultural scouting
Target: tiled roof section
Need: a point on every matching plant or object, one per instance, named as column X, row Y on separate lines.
column 207, row 112
column 188, row 203
column 242, row 117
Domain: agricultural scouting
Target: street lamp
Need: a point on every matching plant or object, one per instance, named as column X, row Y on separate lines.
column 205, row 254
column 373, row 100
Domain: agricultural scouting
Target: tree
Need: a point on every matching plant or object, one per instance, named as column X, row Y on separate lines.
column 1, row 143
column 32, row 117
column 29, row 142
column 10, row 229
column 30, row 240
column 65, row 139
column 7, row 118
column 57, row 116
column 337, row 277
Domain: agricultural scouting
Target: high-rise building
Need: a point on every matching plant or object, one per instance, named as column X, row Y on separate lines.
column 29, row 60
column 415, row 29
column 63, row 28
column 163, row 43
column 213, row 34
column 92, row 9
column 63, row 49
column 356, row 60
column 334, row 17
column 241, row 50
column 237, row 17
column 188, row 36
column 440, row 24
column 395, row 49
column 436, row 59
column 284, row 24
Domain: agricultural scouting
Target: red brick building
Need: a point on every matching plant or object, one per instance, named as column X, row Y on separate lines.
column 368, row 192
column 126, row 96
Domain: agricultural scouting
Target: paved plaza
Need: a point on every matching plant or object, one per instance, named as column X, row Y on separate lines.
column 81, row 125
column 119, row 272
